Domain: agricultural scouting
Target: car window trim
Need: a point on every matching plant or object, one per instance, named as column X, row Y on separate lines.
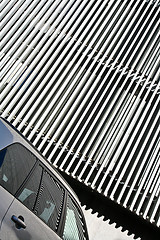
column 63, row 214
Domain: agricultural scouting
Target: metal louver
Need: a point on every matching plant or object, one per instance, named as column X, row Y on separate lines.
column 80, row 80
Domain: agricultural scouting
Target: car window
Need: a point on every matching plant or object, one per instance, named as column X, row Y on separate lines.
column 74, row 226
column 15, row 164
column 50, row 201
column 29, row 191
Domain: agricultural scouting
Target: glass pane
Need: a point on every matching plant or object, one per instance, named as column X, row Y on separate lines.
column 29, row 192
column 74, row 226
column 50, row 201
column 15, row 164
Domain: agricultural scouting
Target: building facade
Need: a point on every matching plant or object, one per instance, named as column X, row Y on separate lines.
column 80, row 80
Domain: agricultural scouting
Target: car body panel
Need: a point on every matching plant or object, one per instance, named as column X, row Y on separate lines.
column 6, row 136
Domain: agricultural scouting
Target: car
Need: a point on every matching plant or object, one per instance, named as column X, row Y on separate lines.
column 36, row 202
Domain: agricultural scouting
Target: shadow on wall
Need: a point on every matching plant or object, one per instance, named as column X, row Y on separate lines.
column 113, row 213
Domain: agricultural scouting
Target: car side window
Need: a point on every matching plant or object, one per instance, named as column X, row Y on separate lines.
column 28, row 193
column 74, row 226
column 50, row 201
column 15, row 164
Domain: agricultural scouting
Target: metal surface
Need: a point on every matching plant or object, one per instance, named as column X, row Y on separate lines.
column 80, row 80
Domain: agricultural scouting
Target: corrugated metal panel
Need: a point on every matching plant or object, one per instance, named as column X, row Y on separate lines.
column 80, row 80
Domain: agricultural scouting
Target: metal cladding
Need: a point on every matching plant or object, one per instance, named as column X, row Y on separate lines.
column 80, row 80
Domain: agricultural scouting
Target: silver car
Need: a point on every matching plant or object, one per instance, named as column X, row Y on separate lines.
column 35, row 201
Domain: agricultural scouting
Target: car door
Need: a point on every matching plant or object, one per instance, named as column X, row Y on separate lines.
column 27, row 217
column 20, row 181
column 32, row 229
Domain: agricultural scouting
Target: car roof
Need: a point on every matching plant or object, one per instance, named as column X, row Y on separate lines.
column 11, row 135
